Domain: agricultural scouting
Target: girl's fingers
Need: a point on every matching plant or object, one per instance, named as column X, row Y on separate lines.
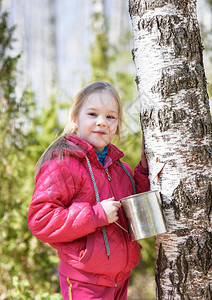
column 110, row 199
column 116, row 203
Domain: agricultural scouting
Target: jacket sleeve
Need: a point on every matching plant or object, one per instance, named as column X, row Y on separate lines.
column 53, row 217
column 141, row 177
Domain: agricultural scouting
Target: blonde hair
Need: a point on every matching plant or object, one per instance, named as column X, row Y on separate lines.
column 83, row 94
column 60, row 147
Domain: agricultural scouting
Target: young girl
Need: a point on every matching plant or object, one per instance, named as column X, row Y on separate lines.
column 75, row 205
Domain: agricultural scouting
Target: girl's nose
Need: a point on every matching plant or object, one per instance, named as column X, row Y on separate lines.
column 101, row 121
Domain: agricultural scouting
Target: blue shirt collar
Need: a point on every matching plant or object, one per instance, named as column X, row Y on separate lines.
column 101, row 155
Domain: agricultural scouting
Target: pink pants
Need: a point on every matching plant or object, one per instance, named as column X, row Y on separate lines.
column 76, row 290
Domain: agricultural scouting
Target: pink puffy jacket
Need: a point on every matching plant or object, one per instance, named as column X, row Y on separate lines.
column 65, row 214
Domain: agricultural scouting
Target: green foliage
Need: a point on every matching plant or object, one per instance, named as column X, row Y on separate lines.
column 21, row 291
column 209, row 2
column 100, row 57
column 105, row 56
column 27, row 266
column 44, row 128
column 22, row 255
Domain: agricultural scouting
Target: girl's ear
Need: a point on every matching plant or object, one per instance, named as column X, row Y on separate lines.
column 75, row 123
column 74, row 120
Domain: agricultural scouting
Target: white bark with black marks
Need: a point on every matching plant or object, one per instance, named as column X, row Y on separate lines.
column 176, row 121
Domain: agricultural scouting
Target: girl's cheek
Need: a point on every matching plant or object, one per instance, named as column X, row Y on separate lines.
column 114, row 130
column 115, row 126
column 114, row 123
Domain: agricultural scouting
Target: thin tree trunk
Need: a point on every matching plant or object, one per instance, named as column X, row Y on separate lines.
column 176, row 121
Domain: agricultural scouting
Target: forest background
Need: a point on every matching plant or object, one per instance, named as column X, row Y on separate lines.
column 28, row 268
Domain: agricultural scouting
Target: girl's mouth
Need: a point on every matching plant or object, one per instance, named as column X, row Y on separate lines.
column 99, row 132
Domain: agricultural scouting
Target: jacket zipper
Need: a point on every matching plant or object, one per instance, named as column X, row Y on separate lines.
column 121, row 218
column 108, row 176
column 109, row 179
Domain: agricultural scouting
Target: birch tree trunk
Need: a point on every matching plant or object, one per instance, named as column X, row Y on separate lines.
column 176, row 122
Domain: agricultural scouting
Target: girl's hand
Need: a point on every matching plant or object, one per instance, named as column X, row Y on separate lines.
column 111, row 209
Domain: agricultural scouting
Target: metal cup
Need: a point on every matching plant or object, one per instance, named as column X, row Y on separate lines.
column 144, row 214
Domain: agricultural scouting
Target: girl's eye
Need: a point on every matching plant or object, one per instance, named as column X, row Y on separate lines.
column 110, row 117
column 92, row 114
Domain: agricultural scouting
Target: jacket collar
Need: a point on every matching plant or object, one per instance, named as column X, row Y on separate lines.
column 84, row 148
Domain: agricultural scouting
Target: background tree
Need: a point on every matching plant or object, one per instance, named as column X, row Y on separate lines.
column 177, row 125
column 27, row 267
column 13, row 114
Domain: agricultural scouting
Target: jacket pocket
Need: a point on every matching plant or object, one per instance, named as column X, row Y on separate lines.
column 85, row 254
column 71, row 251
column 95, row 259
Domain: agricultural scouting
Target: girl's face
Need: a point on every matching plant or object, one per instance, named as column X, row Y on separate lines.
column 97, row 120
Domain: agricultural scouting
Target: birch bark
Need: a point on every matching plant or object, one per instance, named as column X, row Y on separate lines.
column 176, row 122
